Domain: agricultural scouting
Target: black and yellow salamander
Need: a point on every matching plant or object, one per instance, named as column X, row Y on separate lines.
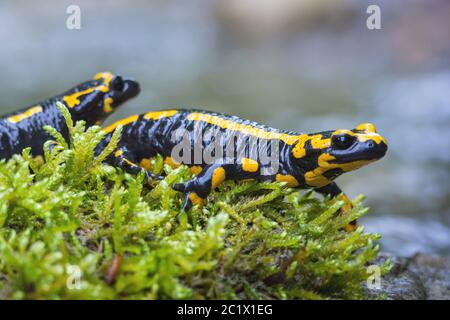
column 218, row 147
column 91, row 101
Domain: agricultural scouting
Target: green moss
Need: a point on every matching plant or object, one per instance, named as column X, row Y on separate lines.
column 74, row 216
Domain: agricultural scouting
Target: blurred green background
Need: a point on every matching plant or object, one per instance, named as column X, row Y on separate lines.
column 301, row 65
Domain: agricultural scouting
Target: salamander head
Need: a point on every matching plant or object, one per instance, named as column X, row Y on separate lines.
column 331, row 153
column 94, row 100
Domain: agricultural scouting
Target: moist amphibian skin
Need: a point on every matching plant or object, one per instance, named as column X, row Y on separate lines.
column 91, row 101
column 303, row 160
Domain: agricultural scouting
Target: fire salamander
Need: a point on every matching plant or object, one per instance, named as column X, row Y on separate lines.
column 217, row 147
column 91, row 101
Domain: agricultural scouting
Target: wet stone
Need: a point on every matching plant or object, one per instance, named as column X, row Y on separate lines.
column 418, row 277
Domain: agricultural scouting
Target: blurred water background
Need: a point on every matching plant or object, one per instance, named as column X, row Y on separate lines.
column 302, row 65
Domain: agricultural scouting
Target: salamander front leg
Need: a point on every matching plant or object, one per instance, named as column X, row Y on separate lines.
column 333, row 190
column 125, row 159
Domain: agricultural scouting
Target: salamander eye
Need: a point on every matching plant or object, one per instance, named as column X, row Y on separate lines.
column 117, row 84
column 342, row 142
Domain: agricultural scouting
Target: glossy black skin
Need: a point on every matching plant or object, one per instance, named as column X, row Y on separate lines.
column 14, row 137
column 145, row 138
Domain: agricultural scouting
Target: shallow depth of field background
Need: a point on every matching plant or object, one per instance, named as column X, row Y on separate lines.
column 301, row 65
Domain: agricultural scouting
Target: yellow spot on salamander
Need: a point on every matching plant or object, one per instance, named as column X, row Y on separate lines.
column 315, row 178
column 118, row 153
column 74, row 99
column 363, row 135
column 366, row 127
column 291, row 181
column 344, row 131
column 347, row 206
column 371, row 136
column 107, row 105
column 218, row 177
column 249, row 165
column 122, row 122
column 146, row 164
column 318, row 143
column 106, row 76
column 172, row 163
column 299, row 150
column 196, row 199
column 195, row 169
column 25, row 115
column 243, row 128
column 155, row 115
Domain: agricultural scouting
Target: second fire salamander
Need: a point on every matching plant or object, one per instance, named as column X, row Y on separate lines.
column 91, row 101
column 218, row 147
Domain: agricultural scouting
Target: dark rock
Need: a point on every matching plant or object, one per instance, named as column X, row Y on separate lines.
column 419, row 277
